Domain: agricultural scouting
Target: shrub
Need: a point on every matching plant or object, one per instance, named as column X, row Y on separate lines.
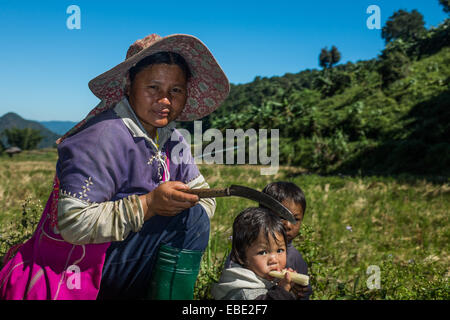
column 19, row 231
column 394, row 66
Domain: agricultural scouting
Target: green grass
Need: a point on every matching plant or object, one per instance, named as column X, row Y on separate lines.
column 399, row 224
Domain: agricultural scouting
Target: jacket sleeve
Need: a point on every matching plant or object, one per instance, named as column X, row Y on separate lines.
column 81, row 223
column 91, row 168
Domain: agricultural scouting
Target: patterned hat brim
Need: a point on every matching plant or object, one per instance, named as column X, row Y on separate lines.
column 206, row 89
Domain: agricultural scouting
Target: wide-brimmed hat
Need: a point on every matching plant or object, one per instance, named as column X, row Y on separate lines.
column 206, row 89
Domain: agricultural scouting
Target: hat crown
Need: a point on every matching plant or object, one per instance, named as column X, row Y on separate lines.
column 141, row 44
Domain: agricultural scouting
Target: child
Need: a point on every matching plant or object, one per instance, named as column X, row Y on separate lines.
column 259, row 246
column 293, row 198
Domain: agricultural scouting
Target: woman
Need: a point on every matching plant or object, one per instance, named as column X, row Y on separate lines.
column 118, row 192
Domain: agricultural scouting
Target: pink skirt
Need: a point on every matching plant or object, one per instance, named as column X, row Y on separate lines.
column 48, row 268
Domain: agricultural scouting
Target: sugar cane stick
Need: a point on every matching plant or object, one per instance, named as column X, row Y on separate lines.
column 298, row 278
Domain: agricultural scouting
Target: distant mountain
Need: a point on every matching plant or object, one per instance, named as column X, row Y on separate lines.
column 59, row 127
column 13, row 120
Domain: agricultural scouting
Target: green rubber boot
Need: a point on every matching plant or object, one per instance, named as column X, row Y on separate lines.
column 174, row 274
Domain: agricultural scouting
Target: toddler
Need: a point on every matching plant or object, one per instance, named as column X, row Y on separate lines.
column 259, row 246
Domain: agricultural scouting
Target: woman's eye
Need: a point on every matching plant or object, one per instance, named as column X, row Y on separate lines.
column 280, row 250
column 177, row 90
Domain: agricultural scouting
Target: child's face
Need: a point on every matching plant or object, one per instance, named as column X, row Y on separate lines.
column 293, row 229
column 264, row 256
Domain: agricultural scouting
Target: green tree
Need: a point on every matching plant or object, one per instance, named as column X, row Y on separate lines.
column 403, row 25
column 25, row 139
column 335, row 55
column 324, row 58
column 446, row 5
column 329, row 58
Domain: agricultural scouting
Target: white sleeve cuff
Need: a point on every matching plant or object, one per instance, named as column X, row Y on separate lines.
column 209, row 204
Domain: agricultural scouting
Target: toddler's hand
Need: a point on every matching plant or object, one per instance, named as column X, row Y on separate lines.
column 286, row 283
column 298, row 290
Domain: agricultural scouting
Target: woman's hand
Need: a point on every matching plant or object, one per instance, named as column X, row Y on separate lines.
column 167, row 199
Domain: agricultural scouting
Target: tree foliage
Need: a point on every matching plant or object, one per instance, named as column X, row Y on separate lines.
column 403, row 25
column 324, row 58
column 328, row 58
column 394, row 66
column 25, row 139
column 446, row 5
column 335, row 55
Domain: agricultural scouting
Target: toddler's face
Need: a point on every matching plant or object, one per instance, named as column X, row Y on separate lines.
column 293, row 229
column 264, row 256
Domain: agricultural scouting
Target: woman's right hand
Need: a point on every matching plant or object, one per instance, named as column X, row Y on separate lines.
column 167, row 199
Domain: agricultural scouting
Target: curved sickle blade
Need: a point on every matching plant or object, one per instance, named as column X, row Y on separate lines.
column 248, row 193
column 264, row 199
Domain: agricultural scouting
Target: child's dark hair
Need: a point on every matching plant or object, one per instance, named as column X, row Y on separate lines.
column 282, row 190
column 163, row 57
column 247, row 227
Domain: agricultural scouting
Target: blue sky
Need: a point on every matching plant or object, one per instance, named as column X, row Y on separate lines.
column 45, row 67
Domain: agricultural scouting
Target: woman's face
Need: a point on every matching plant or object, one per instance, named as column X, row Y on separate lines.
column 264, row 256
column 157, row 95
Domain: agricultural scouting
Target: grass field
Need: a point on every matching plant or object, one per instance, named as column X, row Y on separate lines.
column 398, row 224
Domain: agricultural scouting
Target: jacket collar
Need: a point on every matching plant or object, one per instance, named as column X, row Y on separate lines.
column 237, row 277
